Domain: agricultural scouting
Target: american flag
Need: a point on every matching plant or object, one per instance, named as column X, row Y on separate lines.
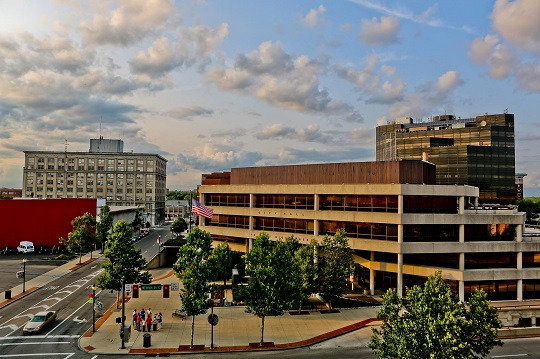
column 201, row 209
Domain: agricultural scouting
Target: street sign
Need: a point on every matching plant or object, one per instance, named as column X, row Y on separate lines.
column 19, row 274
column 128, row 287
column 150, row 286
column 175, row 286
column 213, row 319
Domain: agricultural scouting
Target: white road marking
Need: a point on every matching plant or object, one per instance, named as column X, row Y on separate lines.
column 65, row 355
column 10, row 326
column 59, row 336
column 34, row 343
column 80, row 321
column 510, row 355
column 45, row 306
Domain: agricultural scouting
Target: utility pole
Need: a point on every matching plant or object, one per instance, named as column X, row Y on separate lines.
column 123, row 312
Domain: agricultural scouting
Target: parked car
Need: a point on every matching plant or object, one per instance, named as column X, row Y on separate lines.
column 25, row 247
column 43, row 250
column 8, row 250
column 39, row 321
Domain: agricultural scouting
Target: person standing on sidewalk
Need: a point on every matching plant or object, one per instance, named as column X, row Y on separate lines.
column 149, row 312
column 143, row 320
column 149, row 323
column 134, row 317
column 154, row 323
column 159, row 320
column 138, row 322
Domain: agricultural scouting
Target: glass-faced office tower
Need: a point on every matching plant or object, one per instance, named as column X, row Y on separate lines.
column 477, row 151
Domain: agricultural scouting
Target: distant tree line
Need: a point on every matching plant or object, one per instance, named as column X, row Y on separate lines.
column 530, row 205
column 180, row 195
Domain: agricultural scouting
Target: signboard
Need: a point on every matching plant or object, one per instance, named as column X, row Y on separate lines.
column 150, row 286
column 213, row 319
column 175, row 286
column 128, row 287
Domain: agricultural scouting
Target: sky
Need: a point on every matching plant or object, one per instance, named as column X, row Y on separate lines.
column 216, row 84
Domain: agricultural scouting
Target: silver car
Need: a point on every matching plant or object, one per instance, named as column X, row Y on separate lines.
column 39, row 321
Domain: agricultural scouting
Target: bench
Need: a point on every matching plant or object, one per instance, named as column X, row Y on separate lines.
column 178, row 313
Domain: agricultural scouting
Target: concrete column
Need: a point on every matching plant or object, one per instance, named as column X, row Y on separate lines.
column 250, row 244
column 519, row 260
column 251, row 200
column 462, row 262
column 461, row 233
column 519, row 233
column 400, row 274
column 315, row 227
column 461, row 207
column 316, row 202
column 475, row 202
column 400, row 234
column 520, row 290
column 400, row 204
column 372, row 273
column 461, row 290
column 533, row 321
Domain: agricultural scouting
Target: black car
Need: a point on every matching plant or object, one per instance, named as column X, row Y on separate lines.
column 43, row 250
column 8, row 250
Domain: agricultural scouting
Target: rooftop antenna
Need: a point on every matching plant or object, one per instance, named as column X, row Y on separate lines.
column 505, row 111
column 66, row 144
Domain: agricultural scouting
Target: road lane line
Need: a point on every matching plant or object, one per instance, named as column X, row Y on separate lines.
column 510, row 355
column 66, row 355
column 69, row 316
column 34, row 343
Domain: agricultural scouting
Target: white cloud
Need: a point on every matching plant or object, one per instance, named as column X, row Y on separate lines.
column 187, row 113
column 383, row 32
column 312, row 133
column 132, row 21
column 313, row 18
column 517, row 22
column 448, row 81
column 214, row 157
column 528, row 76
column 501, row 62
column 481, row 48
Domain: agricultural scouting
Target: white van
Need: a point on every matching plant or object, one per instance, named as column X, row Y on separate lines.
column 25, row 247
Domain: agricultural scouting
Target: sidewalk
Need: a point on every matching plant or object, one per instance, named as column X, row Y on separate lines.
column 234, row 332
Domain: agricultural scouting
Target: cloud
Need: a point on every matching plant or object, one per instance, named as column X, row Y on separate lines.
column 187, row 113
column 388, row 93
column 383, row 32
column 312, row 133
column 211, row 157
column 131, row 21
column 312, row 18
column 291, row 155
column 276, row 130
column 278, row 78
column 195, row 45
column 229, row 133
column 431, row 97
column 481, row 48
column 517, row 22
column 528, row 76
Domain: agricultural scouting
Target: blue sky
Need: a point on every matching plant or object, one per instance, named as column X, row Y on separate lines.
column 212, row 85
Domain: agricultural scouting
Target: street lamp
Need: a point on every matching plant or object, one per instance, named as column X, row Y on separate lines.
column 24, row 275
column 94, row 308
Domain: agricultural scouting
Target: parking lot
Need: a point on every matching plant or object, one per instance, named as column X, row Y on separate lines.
column 36, row 265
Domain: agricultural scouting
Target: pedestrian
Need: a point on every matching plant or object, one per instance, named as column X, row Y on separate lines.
column 138, row 322
column 134, row 315
column 149, row 323
column 154, row 323
column 160, row 320
column 149, row 312
column 143, row 320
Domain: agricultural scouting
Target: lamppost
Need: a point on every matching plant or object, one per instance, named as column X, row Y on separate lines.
column 24, row 275
column 123, row 312
column 94, row 308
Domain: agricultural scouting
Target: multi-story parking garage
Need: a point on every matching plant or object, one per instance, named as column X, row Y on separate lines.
column 401, row 225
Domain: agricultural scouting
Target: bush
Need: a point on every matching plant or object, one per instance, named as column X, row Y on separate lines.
column 66, row 257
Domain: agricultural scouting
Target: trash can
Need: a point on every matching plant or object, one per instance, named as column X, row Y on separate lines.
column 8, row 294
column 147, row 340
column 154, row 326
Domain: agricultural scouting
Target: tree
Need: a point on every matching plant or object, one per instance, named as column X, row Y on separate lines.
column 104, row 226
column 180, row 195
column 137, row 221
column 178, row 226
column 309, row 271
column 195, row 271
column 124, row 264
column 274, row 278
column 83, row 236
column 530, row 205
column 222, row 261
column 337, row 267
column 435, row 324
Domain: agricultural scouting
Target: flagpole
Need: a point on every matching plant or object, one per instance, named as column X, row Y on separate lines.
column 190, row 210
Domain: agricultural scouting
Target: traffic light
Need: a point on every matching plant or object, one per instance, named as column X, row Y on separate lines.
column 135, row 289
column 166, row 291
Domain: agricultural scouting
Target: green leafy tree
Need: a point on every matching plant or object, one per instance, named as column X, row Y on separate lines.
column 104, row 226
column 223, row 260
column 337, row 267
column 124, row 263
column 83, row 236
column 309, row 271
column 431, row 322
column 274, row 278
column 137, row 221
column 180, row 195
column 195, row 271
column 530, row 205
column 178, row 226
